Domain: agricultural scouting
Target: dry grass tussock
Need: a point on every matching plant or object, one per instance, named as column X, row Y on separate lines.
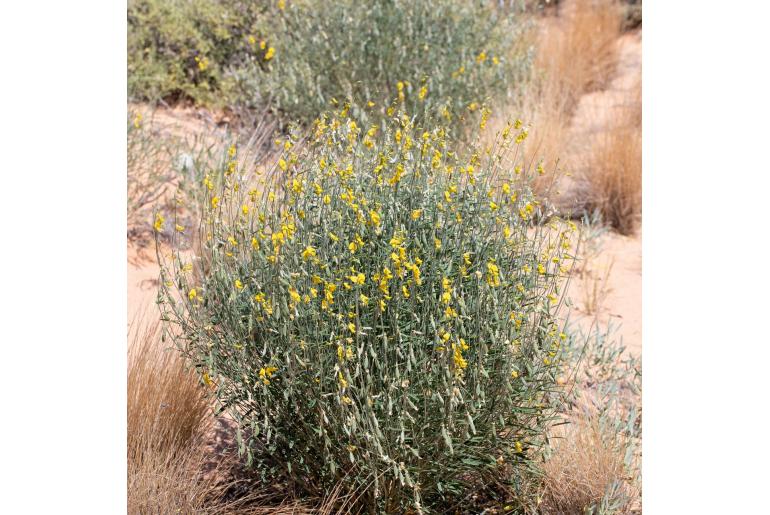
column 586, row 473
column 613, row 169
column 168, row 418
column 173, row 466
column 576, row 53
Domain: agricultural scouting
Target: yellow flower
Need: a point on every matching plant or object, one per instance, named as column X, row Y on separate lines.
column 517, row 445
column 375, row 216
column 342, row 380
column 327, row 199
column 214, row 202
column 357, row 278
column 416, row 214
column 296, row 186
column 437, row 243
column 493, row 274
column 514, row 374
column 352, row 327
column 282, row 164
column 308, row 253
column 282, row 4
column 137, row 120
column 202, row 63
column 193, row 294
column 252, row 40
column 423, row 92
column 333, row 237
column 269, row 54
column 364, row 299
column 481, row 57
column 458, row 359
column 294, row 294
column 232, row 241
column 159, row 222
column 238, row 284
column 265, row 373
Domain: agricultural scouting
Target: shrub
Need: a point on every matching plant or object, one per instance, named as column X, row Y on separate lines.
column 148, row 172
column 184, row 49
column 446, row 53
column 377, row 312
column 595, row 463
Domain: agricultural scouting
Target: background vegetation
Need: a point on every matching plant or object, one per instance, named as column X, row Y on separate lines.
column 296, row 58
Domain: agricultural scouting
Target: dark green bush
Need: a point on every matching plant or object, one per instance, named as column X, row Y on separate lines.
column 186, row 49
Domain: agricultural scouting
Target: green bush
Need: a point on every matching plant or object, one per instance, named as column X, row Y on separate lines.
column 446, row 53
column 377, row 312
column 297, row 57
column 186, row 49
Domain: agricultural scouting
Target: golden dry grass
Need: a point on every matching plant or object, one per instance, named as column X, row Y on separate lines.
column 586, row 469
column 173, row 464
column 613, row 169
column 576, row 53
column 168, row 418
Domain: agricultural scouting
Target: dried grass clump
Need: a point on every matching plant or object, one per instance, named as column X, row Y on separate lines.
column 576, row 53
column 613, row 170
column 586, row 472
column 168, row 418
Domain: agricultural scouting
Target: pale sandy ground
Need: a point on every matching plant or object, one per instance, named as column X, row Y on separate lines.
column 143, row 272
column 622, row 305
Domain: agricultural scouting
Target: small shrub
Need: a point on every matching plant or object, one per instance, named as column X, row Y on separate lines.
column 185, row 49
column 148, row 172
column 594, row 464
column 377, row 311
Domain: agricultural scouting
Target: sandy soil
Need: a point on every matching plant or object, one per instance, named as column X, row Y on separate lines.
column 143, row 272
column 619, row 258
column 615, row 274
